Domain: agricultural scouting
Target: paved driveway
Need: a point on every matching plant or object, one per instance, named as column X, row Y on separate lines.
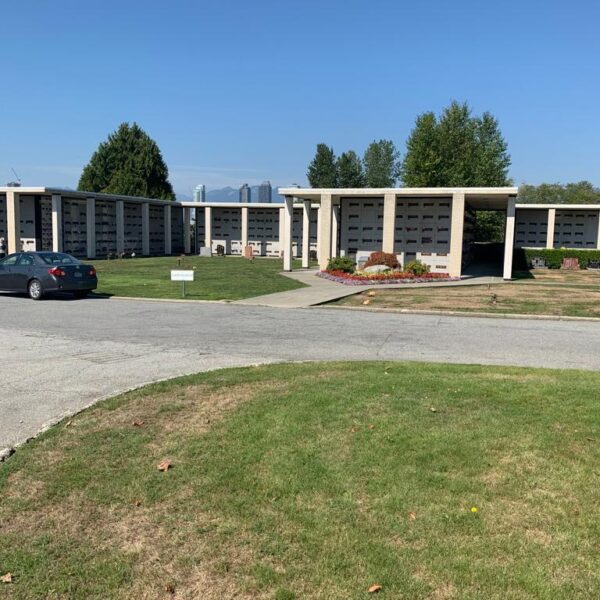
column 58, row 356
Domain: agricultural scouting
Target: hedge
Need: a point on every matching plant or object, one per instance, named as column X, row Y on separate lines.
column 553, row 257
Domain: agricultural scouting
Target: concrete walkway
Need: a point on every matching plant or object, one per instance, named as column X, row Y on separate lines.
column 320, row 291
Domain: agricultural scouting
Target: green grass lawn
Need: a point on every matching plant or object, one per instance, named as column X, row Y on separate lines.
column 223, row 278
column 528, row 298
column 315, row 481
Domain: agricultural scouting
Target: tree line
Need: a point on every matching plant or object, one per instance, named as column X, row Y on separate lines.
column 456, row 149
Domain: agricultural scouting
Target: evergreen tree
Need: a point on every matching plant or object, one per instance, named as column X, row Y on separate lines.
column 350, row 170
column 421, row 165
column 322, row 171
column 381, row 164
column 456, row 150
column 129, row 163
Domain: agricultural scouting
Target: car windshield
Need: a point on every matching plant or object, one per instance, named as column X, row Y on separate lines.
column 58, row 258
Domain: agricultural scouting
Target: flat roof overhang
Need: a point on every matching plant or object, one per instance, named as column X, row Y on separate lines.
column 470, row 192
column 67, row 193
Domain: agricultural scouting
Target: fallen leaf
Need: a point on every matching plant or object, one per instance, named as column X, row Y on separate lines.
column 164, row 465
column 375, row 588
column 412, row 516
column 371, row 293
column 68, row 423
column 137, row 503
column 353, row 430
column 433, row 409
column 6, row 578
column 170, row 589
column 371, row 426
column 137, row 423
column 367, row 301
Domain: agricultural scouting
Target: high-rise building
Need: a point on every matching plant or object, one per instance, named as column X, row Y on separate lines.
column 200, row 193
column 245, row 193
column 265, row 192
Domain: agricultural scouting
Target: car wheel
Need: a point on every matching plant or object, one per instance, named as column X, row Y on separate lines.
column 35, row 290
column 81, row 293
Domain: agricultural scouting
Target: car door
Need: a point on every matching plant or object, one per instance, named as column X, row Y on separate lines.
column 6, row 273
column 22, row 272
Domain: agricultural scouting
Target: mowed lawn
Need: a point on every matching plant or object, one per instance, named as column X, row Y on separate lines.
column 315, row 481
column 216, row 278
column 531, row 298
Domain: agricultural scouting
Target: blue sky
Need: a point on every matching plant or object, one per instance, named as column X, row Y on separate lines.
column 240, row 91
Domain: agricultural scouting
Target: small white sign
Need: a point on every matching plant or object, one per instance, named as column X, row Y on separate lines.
column 181, row 275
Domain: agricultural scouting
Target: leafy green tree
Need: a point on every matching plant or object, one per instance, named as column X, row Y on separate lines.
column 582, row 192
column 128, row 163
column 458, row 149
column 322, row 170
column 350, row 170
column 381, row 162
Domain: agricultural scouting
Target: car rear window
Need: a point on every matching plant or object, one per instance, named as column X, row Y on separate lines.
column 58, row 258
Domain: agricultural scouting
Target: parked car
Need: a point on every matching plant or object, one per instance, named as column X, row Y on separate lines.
column 39, row 273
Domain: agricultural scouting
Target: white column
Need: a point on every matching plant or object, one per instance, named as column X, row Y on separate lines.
column 244, row 228
column 281, row 239
column 335, row 219
column 146, row 229
column 90, row 222
column 456, row 234
column 306, row 234
column 57, row 223
column 120, row 208
column 389, row 223
column 319, row 213
column 208, row 227
column 550, row 228
column 509, row 238
column 167, row 221
column 288, row 212
column 187, row 231
column 598, row 241
column 324, row 233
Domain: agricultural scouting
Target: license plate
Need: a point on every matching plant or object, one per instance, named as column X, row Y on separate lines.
column 78, row 274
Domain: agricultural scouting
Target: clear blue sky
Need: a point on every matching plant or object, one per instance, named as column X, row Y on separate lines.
column 240, row 91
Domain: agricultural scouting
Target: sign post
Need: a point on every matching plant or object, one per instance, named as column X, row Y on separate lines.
column 183, row 276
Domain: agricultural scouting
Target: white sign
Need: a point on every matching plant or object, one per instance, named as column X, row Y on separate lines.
column 182, row 275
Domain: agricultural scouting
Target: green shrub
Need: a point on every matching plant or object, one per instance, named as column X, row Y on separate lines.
column 341, row 263
column 416, row 267
column 383, row 258
column 553, row 257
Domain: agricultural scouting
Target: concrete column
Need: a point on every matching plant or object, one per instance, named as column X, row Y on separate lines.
column 389, row 223
column 456, row 234
column 281, row 238
column 146, row 229
column 324, row 233
column 550, row 229
column 244, row 228
column 335, row 219
column 306, row 234
column 167, row 221
column 319, row 213
column 208, row 227
column 288, row 221
column 90, row 222
column 509, row 238
column 187, row 231
column 120, row 208
column 57, row 223
column 598, row 242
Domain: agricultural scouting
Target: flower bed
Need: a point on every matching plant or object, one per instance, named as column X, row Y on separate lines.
column 387, row 277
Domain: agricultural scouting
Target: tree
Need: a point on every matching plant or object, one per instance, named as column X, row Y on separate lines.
column 381, row 164
column 455, row 150
column 322, row 171
column 582, row 192
column 350, row 170
column 129, row 163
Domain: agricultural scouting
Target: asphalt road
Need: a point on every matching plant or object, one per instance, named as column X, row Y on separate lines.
column 60, row 355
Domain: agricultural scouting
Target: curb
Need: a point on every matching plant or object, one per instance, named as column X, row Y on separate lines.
column 457, row 313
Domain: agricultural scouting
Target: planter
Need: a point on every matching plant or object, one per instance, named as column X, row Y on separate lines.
column 383, row 278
